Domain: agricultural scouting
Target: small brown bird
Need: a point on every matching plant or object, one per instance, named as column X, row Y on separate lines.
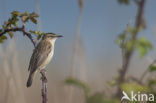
column 42, row 55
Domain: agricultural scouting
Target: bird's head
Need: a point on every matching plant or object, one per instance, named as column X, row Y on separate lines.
column 51, row 36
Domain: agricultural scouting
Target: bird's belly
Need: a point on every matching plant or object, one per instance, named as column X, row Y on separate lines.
column 47, row 60
column 50, row 57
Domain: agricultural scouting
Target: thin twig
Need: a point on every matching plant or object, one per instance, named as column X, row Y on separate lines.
column 11, row 29
column 75, row 47
column 146, row 71
column 135, row 79
column 143, row 75
column 30, row 37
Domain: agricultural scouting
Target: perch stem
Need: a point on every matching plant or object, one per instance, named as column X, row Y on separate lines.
column 44, row 86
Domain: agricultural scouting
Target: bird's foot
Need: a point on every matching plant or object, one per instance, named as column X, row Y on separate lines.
column 43, row 73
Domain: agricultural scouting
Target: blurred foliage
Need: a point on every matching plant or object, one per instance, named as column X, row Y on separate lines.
column 2, row 38
column 16, row 16
column 14, row 21
column 143, row 46
column 95, row 98
column 113, row 82
column 152, row 81
column 152, row 68
column 38, row 33
column 78, row 83
column 152, row 87
column 100, row 98
column 128, row 87
column 127, row 43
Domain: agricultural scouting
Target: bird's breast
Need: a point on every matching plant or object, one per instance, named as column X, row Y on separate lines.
column 50, row 56
column 46, row 62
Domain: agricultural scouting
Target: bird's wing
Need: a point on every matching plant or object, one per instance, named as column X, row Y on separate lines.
column 39, row 55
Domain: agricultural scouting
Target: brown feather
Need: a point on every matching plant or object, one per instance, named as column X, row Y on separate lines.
column 39, row 55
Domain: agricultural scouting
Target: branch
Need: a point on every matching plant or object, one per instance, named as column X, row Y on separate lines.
column 44, row 86
column 11, row 29
column 128, row 54
column 30, row 37
column 139, row 18
column 21, row 29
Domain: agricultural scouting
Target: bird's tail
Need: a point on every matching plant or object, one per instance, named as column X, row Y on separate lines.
column 30, row 79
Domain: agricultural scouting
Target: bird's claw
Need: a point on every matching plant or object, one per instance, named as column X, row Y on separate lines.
column 43, row 73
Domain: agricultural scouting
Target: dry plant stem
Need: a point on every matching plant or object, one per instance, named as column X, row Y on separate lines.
column 143, row 75
column 44, row 86
column 75, row 46
column 136, row 80
column 21, row 29
column 127, row 55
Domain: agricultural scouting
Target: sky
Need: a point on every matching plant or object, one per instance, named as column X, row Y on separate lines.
column 102, row 22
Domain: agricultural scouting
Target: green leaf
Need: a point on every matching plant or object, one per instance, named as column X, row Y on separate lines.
column 1, row 41
column 143, row 41
column 33, row 20
column 123, row 1
column 120, row 38
column 34, row 15
column 15, row 23
column 143, row 46
column 10, row 34
column 2, row 38
column 25, row 14
column 142, row 51
column 78, row 83
column 152, row 68
column 25, row 18
column 131, row 30
column 39, row 37
column 151, row 83
column 114, row 81
column 15, row 13
column 38, row 33
column 31, row 31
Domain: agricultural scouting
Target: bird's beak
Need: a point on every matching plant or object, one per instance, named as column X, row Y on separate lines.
column 59, row 36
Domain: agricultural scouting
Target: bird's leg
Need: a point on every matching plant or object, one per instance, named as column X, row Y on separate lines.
column 43, row 74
